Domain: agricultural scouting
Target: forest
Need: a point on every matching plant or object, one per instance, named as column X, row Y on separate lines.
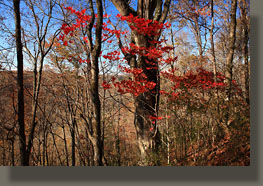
column 124, row 83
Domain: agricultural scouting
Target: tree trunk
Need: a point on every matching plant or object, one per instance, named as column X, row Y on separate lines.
column 73, row 144
column 245, row 32
column 65, row 145
column 146, row 104
column 212, row 39
column 96, row 137
column 21, row 115
column 232, row 40
column 229, row 61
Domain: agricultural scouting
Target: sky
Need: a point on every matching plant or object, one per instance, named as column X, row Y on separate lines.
column 8, row 42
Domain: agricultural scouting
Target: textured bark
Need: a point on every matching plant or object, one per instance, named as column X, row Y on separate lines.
column 212, row 39
column 231, row 50
column 245, row 32
column 229, row 61
column 198, row 37
column 146, row 104
column 21, row 115
column 95, row 135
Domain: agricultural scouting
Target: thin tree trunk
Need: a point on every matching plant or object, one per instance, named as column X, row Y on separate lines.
column 40, row 54
column 36, row 91
column 73, row 143
column 47, row 153
column 198, row 36
column 21, row 115
column 229, row 60
column 231, row 50
column 54, row 143
column 212, row 39
column 96, row 136
column 13, row 151
column 44, row 147
column 66, row 146
column 245, row 32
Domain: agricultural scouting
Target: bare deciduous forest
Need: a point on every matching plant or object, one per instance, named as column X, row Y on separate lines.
column 124, row 83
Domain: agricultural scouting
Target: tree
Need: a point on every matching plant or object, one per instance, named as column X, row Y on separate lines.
column 230, row 55
column 147, row 103
column 21, row 115
column 212, row 38
column 194, row 14
column 232, row 39
column 37, row 54
column 243, row 6
column 92, row 53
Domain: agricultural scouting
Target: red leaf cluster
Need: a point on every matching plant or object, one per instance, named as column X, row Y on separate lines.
column 144, row 26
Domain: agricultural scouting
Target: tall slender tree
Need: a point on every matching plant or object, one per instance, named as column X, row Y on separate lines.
column 230, row 56
column 232, row 40
column 95, row 135
column 212, row 38
column 244, row 5
column 21, row 113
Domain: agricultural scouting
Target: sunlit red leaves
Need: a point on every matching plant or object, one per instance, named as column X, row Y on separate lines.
column 84, row 60
column 105, row 85
column 155, row 118
column 137, row 72
column 144, row 26
column 112, row 56
column 139, row 83
column 81, row 21
column 190, row 88
column 65, row 43
column 134, row 87
column 151, row 53
column 201, row 79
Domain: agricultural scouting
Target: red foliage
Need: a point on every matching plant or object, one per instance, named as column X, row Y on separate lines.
column 153, row 54
column 105, row 85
